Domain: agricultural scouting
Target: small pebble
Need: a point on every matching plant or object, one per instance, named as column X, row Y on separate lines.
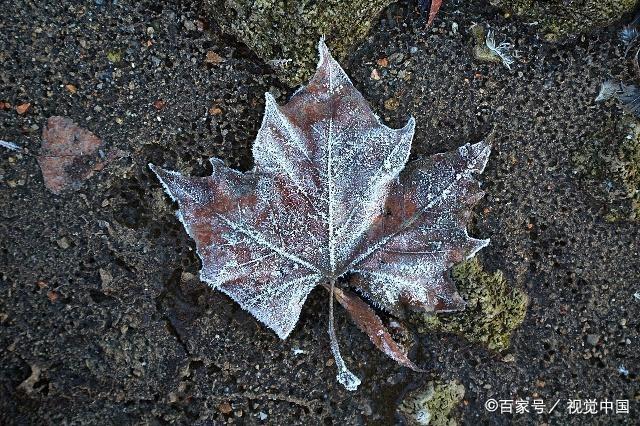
column 63, row 243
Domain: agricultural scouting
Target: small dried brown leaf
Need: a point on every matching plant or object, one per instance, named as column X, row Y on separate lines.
column 225, row 408
column 213, row 58
column 215, row 110
column 22, row 108
column 69, row 154
column 370, row 323
column 435, row 7
column 159, row 104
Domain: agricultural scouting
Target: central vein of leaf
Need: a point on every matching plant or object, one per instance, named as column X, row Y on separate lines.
column 331, row 201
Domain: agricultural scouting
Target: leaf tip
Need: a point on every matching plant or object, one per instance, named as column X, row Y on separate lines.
column 323, row 49
column 165, row 178
column 410, row 126
column 452, row 303
column 476, row 245
column 481, row 151
column 269, row 99
column 155, row 169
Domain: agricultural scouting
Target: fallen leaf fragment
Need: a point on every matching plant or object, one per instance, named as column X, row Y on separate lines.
column 225, row 408
column 332, row 195
column 368, row 321
column 71, row 88
column 213, row 58
column 27, row 385
column 69, row 154
column 383, row 62
column 22, row 108
column 159, row 104
column 433, row 11
column 4, row 105
column 391, row 104
column 215, row 110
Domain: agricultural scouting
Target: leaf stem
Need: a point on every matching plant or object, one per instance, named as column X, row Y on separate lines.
column 344, row 376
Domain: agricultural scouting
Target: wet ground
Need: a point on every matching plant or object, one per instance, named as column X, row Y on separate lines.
column 103, row 318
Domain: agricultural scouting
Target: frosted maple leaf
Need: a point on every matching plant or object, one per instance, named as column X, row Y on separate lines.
column 331, row 197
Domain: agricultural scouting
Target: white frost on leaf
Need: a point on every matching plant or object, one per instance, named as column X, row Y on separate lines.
column 331, row 193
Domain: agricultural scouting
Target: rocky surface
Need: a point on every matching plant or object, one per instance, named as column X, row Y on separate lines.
column 103, row 317
column 285, row 34
column 562, row 18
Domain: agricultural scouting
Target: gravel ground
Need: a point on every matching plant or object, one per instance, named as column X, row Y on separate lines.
column 103, row 319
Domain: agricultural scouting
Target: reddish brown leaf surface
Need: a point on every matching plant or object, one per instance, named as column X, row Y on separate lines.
column 433, row 10
column 369, row 322
column 332, row 194
column 68, row 155
column 159, row 104
column 23, row 108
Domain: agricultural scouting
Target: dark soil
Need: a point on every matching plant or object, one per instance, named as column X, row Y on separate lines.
column 103, row 319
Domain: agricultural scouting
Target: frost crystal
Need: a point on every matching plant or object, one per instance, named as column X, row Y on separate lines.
column 10, row 145
column 608, row 89
column 502, row 50
column 628, row 34
column 331, row 193
column 628, row 95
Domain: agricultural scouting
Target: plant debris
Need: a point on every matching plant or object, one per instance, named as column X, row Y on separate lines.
column 331, row 195
column 69, row 154
column 23, row 108
column 628, row 95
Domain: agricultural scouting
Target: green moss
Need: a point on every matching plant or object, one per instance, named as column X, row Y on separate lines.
column 628, row 168
column 433, row 404
column 494, row 308
column 114, row 56
column 285, row 34
column 480, row 51
column 559, row 18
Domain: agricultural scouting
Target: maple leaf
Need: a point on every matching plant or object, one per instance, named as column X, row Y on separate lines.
column 330, row 197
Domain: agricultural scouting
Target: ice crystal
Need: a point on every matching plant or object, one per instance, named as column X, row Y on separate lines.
column 10, row 145
column 628, row 95
column 331, row 194
column 628, row 34
column 502, row 50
